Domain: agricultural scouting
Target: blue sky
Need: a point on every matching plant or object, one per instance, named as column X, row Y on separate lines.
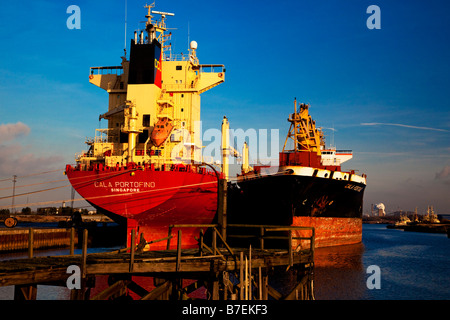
column 385, row 92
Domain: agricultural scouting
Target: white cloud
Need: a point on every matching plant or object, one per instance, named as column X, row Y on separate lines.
column 444, row 174
column 10, row 131
column 18, row 159
column 402, row 125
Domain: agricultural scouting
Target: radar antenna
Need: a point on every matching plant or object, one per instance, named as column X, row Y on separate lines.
column 154, row 26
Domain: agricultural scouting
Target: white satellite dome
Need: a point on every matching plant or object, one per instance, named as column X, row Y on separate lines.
column 193, row 45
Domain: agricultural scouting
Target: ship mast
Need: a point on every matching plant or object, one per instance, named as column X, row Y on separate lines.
column 151, row 27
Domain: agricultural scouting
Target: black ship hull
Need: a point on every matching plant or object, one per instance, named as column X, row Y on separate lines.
column 332, row 206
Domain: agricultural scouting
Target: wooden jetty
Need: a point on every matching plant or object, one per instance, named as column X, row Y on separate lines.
column 226, row 273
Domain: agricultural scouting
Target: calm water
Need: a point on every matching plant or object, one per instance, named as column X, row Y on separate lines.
column 414, row 266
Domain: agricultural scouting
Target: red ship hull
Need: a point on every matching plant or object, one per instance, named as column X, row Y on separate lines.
column 330, row 231
column 151, row 200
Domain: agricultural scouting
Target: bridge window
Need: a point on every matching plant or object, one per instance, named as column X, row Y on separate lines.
column 146, row 120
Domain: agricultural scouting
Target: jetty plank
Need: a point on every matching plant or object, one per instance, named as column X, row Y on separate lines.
column 33, row 276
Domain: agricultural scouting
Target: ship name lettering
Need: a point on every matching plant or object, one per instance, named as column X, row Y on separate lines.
column 101, row 184
column 353, row 187
column 134, row 184
column 124, row 190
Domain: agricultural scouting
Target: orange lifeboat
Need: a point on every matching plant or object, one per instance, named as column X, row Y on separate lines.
column 161, row 131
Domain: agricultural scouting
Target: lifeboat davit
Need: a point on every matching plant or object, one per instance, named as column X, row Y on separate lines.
column 161, row 131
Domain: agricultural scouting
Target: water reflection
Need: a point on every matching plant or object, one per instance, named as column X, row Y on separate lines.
column 339, row 273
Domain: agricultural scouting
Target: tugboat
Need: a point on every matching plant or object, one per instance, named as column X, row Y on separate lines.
column 145, row 170
column 309, row 188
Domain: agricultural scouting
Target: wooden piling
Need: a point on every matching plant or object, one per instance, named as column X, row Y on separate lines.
column 291, row 258
column 259, row 283
column 261, row 238
column 246, row 280
column 132, row 249
column 250, row 273
column 84, row 253
column 222, row 208
column 214, row 241
column 169, row 237
column 178, row 264
column 241, row 275
column 200, row 249
column 25, row 292
column 30, row 242
column 72, row 241
column 265, row 285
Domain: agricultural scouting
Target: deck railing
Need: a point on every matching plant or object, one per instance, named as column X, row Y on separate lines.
column 263, row 236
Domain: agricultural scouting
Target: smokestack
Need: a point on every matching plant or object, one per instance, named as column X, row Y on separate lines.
column 381, row 211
